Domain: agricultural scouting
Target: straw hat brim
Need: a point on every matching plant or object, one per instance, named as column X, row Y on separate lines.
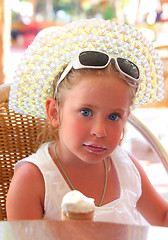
column 54, row 48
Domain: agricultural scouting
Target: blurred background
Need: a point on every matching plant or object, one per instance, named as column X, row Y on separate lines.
column 21, row 20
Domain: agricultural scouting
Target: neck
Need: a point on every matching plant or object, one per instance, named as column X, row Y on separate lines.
column 69, row 176
column 72, row 162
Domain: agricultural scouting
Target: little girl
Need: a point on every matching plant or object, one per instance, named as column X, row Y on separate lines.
column 85, row 78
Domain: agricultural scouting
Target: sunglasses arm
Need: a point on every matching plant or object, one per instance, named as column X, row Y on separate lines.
column 65, row 72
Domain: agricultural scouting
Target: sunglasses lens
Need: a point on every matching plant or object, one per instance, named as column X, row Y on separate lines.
column 128, row 67
column 94, row 59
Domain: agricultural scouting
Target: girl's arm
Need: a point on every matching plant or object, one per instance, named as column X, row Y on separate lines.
column 26, row 194
column 151, row 205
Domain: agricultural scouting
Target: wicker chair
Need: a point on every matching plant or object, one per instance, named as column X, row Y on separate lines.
column 19, row 138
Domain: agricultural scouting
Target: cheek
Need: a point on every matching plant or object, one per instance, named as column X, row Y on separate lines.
column 116, row 133
column 79, row 129
column 72, row 129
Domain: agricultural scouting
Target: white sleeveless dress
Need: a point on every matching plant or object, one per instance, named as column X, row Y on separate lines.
column 122, row 210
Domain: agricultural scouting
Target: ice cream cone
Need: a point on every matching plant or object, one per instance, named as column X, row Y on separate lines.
column 76, row 206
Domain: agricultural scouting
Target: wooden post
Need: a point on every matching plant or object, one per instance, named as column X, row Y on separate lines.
column 5, row 29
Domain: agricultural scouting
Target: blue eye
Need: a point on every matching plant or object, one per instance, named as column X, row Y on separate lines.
column 113, row 117
column 86, row 112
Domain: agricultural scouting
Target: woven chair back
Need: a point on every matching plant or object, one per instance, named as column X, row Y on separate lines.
column 18, row 139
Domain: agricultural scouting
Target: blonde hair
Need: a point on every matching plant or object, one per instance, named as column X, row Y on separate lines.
column 72, row 79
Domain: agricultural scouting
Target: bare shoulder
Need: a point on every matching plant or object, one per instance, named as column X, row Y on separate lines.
column 26, row 192
column 26, row 174
column 151, row 205
column 137, row 164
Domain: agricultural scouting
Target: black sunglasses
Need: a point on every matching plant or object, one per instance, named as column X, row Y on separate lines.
column 99, row 60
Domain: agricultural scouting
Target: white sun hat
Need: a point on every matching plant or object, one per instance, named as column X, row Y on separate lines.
column 53, row 49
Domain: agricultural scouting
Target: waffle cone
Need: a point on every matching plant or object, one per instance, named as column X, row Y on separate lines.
column 89, row 216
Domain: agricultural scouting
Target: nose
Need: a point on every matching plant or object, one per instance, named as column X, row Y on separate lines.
column 99, row 128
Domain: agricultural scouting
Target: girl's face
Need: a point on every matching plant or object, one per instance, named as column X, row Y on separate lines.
column 93, row 116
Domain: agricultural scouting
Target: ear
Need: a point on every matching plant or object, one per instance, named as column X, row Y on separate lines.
column 52, row 111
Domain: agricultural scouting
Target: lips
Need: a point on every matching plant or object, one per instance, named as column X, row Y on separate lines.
column 94, row 148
